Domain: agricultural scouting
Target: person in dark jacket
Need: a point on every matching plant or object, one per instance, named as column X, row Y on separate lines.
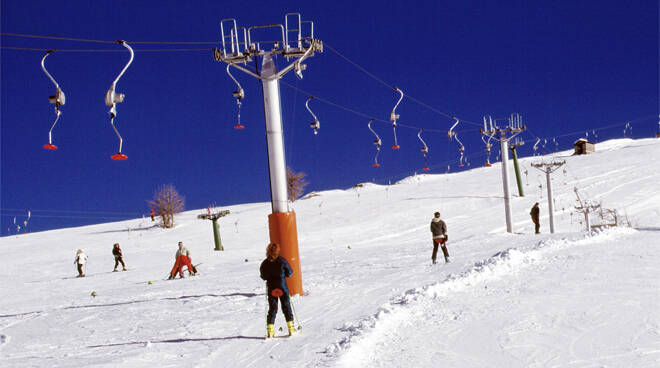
column 535, row 217
column 274, row 269
column 439, row 231
column 119, row 258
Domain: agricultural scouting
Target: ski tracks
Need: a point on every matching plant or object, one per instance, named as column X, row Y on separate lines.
column 375, row 340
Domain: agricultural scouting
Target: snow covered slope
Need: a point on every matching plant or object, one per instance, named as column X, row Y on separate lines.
column 514, row 300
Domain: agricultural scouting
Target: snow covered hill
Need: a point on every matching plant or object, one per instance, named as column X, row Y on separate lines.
column 373, row 299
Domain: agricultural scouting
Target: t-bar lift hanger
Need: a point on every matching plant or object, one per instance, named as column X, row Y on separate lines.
column 394, row 116
column 58, row 99
column 112, row 99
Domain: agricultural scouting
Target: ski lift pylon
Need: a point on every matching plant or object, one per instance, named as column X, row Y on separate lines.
column 394, row 117
column 316, row 125
column 377, row 143
column 58, row 99
column 239, row 94
column 112, row 99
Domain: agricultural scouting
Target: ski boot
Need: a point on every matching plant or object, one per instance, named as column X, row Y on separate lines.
column 289, row 324
column 446, row 259
column 124, row 269
column 171, row 277
column 115, row 270
column 270, row 331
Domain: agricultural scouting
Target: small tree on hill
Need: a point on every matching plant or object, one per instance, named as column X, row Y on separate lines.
column 166, row 203
column 296, row 183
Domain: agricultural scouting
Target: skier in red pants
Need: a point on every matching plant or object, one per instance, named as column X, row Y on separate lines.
column 182, row 258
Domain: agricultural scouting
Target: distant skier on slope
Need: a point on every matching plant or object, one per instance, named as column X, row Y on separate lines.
column 535, row 217
column 274, row 269
column 182, row 257
column 80, row 261
column 119, row 258
column 439, row 231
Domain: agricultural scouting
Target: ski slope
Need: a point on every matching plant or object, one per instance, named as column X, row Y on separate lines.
column 372, row 297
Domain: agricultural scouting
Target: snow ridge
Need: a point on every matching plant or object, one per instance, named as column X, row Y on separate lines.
column 362, row 335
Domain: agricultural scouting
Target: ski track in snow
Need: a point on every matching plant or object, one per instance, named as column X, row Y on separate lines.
column 384, row 339
column 372, row 297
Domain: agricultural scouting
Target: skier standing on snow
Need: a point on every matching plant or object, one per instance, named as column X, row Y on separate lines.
column 182, row 257
column 80, row 261
column 119, row 258
column 274, row 269
column 535, row 217
column 439, row 231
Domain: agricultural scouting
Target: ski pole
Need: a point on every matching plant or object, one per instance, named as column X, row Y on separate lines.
column 266, row 303
column 295, row 315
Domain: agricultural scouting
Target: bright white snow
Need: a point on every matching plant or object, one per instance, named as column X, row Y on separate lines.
column 514, row 300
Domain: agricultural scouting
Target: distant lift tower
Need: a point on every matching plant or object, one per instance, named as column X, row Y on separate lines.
column 504, row 135
column 237, row 53
column 548, row 168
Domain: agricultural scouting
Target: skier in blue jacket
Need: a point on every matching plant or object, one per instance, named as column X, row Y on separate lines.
column 274, row 269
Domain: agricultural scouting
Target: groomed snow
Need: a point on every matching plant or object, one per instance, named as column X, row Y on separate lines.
column 373, row 299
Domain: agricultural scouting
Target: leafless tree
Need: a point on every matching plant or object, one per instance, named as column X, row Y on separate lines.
column 166, row 203
column 296, row 183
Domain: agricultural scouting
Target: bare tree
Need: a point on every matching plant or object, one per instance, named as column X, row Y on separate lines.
column 296, row 183
column 166, row 203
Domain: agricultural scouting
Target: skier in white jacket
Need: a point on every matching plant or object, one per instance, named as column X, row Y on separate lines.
column 80, row 260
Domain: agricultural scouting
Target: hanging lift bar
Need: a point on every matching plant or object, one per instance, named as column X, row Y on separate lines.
column 239, row 94
column 452, row 134
column 316, row 125
column 394, row 116
column 425, row 150
column 488, row 127
column 536, row 145
column 58, row 99
column 112, row 98
column 377, row 143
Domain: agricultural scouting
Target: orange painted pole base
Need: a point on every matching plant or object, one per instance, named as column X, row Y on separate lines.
column 283, row 231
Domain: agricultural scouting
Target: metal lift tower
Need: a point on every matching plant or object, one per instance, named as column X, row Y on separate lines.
column 493, row 131
column 240, row 49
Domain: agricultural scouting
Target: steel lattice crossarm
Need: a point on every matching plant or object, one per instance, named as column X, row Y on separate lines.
column 213, row 216
column 235, row 50
column 548, row 167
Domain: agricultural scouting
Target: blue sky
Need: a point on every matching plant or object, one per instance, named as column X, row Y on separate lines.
column 567, row 67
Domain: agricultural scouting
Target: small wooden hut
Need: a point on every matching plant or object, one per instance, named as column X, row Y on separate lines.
column 583, row 147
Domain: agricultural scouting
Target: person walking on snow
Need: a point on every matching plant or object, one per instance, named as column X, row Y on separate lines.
column 182, row 257
column 274, row 269
column 119, row 258
column 439, row 231
column 535, row 217
column 80, row 261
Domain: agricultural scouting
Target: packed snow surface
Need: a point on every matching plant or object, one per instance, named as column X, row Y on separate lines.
column 372, row 297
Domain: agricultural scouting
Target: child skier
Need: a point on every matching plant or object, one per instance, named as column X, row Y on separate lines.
column 182, row 257
column 439, row 231
column 274, row 269
column 116, row 251
column 80, row 260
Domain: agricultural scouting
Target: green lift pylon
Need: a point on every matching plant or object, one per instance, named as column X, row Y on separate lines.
column 216, row 228
column 516, row 168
